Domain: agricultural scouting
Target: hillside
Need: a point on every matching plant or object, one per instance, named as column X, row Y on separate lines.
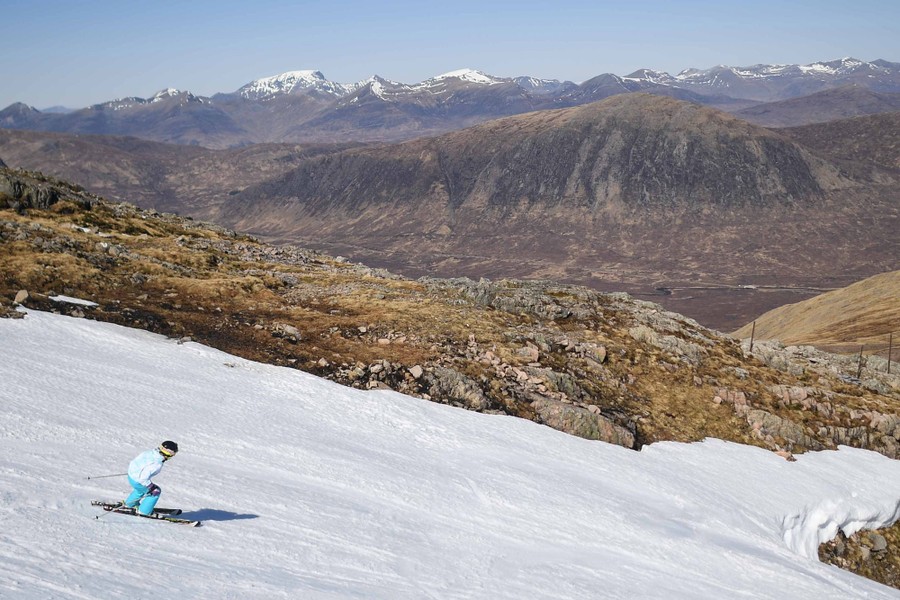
column 168, row 177
column 863, row 144
column 597, row 366
column 686, row 205
column 636, row 192
column 829, row 105
column 841, row 320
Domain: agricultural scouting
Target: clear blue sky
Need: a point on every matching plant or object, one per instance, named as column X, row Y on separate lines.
column 76, row 53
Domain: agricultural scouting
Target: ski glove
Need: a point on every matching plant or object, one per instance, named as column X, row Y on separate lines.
column 154, row 490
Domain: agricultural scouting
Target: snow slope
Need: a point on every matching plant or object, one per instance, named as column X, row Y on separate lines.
column 311, row 490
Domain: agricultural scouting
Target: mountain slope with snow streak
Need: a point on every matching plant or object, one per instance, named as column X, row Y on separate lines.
column 308, row 489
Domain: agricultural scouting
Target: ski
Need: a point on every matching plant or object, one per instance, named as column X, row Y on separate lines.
column 119, row 507
column 159, row 514
column 162, row 517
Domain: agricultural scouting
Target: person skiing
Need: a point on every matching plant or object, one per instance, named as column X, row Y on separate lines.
column 141, row 470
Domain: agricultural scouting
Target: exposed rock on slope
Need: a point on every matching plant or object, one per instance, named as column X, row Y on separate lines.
column 601, row 366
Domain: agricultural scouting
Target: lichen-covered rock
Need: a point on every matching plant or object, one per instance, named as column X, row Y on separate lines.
column 449, row 386
column 582, row 422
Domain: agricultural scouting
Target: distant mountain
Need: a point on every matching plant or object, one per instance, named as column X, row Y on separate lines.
column 169, row 116
column 864, row 147
column 58, row 110
column 636, row 188
column 293, row 82
column 768, row 83
column 828, row 105
column 306, row 107
column 20, row 116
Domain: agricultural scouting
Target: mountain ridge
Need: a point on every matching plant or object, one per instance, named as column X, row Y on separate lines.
column 304, row 106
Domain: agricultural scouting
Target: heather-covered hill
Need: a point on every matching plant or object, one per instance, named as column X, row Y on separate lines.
column 865, row 145
column 863, row 314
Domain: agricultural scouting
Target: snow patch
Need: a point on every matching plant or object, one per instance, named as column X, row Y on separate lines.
column 332, row 492
column 70, row 300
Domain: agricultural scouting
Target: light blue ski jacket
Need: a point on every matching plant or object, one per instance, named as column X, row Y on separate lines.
column 145, row 466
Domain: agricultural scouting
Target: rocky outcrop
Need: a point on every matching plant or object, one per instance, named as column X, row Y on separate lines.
column 20, row 191
column 452, row 387
column 872, row 554
column 582, row 422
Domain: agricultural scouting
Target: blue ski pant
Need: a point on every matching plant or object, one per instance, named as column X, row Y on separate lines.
column 146, row 496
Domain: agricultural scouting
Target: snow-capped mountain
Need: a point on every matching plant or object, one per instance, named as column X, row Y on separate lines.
column 294, row 82
column 822, row 70
column 305, row 106
column 535, row 85
column 464, row 75
column 778, row 82
column 168, row 94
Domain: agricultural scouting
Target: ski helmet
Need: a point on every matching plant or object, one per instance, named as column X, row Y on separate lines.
column 168, row 449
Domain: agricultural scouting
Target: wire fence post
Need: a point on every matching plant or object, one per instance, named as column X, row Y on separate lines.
column 752, row 334
column 859, row 363
column 890, row 348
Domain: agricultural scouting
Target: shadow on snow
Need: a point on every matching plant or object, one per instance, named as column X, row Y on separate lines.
column 212, row 514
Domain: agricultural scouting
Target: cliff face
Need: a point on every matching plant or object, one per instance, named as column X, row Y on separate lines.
column 636, row 151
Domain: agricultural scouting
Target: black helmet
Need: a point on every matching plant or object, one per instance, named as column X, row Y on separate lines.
column 168, row 449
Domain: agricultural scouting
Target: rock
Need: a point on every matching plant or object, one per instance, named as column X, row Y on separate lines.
column 582, row 422
column 21, row 297
column 529, row 353
column 878, row 541
column 416, row 371
column 786, row 455
column 287, row 332
column 452, row 387
column 767, row 424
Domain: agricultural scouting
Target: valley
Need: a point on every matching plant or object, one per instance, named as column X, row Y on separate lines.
column 666, row 199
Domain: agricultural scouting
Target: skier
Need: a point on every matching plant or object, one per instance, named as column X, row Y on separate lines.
column 141, row 470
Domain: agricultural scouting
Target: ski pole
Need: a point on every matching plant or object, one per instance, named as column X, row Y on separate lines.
column 102, row 476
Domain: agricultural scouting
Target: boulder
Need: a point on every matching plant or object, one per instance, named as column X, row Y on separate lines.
column 581, row 422
column 449, row 386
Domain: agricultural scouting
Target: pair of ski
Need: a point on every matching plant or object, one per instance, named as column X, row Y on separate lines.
column 159, row 514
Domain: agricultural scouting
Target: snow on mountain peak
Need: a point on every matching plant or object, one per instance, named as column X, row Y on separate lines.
column 714, row 75
column 288, row 82
column 469, row 75
column 163, row 94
